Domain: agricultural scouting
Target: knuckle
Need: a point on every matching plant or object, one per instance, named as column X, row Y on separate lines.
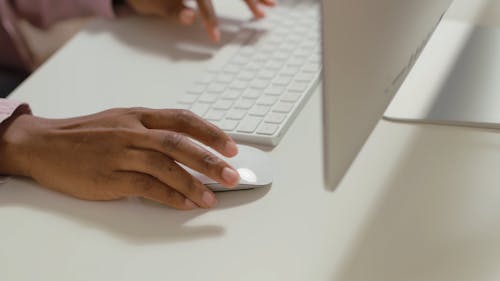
column 170, row 194
column 192, row 186
column 172, row 142
column 211, row 161
column 216, row 135
column 144, row 183
column 183, row 116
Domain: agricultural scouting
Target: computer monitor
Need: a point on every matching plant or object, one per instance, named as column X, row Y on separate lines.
column 369, row 47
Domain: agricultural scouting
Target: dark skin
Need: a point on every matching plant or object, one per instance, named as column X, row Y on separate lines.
column 185, row 15
column 120, row 153
column 133, row 152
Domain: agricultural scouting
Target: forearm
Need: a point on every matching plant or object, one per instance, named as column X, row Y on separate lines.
column 43, row 13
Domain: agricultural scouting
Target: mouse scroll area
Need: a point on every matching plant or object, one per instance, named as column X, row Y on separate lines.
column 253, row 165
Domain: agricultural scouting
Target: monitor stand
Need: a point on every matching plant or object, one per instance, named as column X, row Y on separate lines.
column 456, row 80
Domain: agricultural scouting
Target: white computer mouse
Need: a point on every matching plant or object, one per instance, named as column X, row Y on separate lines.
column 254, row 166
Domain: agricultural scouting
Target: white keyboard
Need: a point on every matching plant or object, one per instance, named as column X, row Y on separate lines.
column 256, row 85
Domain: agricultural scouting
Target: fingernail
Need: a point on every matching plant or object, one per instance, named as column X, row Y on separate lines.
column 186, row 17
column 216, row 35
column 190, row 204
column 259, row 13
column 230, row 175
column 209, row 199
column 230, row 148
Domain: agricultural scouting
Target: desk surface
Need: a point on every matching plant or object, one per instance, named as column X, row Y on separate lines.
column 419, row 203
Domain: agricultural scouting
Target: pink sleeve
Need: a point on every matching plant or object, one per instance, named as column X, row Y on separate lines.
column 9, row 107
column 43, row 13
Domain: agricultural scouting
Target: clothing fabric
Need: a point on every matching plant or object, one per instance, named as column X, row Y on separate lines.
column 14, row 54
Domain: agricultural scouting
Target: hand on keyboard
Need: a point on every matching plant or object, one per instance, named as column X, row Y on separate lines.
column 255, row 86
column 186, row 16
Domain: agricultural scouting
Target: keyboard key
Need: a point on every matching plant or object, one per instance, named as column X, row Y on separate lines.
column 200, row 109
column 259, row 84
column 240, row 85
column 283, row 107
column 228, row 125
column 291, row 97
column 236, row 114
column 249, row 124
column 261, row 56
column 197, row 89
column 240, row 60
column 215, row 115
column 275, row 118
column 266, row 74
column 274, row 91
column 311, row 68
column 252, row 94
column 305, row 77
column 267, row 129
column 254, row 66
column 216, row 88
column 245, row 104
column 248, row 51
column 296, row 62
column 259, row 110
column 282, row 81
column 208, row 98
column 303, row 53
column 225, row 78
column 246, row 75
column 223, row 104
column 279, row 56
column 232, row 69
column 275, row 65
column 231, row 94
column 269, row 100
column 290, row 71
column 298, row 87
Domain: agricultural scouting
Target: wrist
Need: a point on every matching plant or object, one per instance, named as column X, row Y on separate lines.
column 14, row 149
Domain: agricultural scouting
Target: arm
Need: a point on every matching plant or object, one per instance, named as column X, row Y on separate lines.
column 14, row 53
column 43, row 13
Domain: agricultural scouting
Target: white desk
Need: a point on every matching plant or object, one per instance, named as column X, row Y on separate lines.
column 419, row 203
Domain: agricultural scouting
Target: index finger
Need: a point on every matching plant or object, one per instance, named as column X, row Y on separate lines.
column 184, row 121
column 209, row 18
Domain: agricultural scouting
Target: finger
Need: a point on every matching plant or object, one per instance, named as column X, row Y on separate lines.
column 186, row 122
column 146, row 186
column 209, row 19
column 270, row 3
column 170, row 174
column 178, row 10
column 185, row 151
column 254, row 7
column 186, row 16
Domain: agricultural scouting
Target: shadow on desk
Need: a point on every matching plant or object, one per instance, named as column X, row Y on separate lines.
column 137, row 221
column 168, row 39
column 439, row 216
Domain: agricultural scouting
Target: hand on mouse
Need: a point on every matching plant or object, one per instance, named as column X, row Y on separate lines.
column 120, row 153
column 186, row 15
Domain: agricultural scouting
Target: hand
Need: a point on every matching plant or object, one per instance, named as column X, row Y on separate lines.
column 186, row 16
column 120, row 153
